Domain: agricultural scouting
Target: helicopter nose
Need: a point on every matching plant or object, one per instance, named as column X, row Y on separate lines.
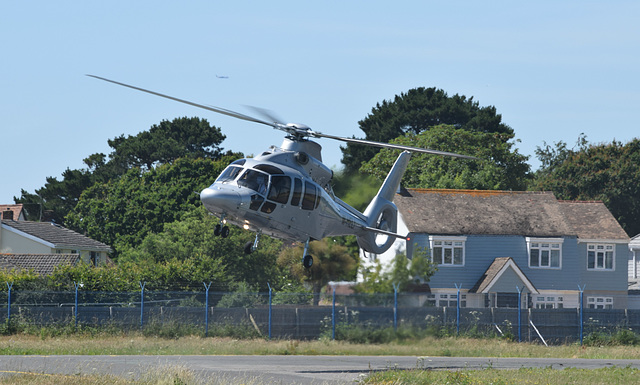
column 221, row 199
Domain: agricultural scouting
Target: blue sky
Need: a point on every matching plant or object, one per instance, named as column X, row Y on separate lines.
column 553, row 69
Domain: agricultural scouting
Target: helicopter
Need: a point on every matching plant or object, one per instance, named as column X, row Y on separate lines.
column 286, row 192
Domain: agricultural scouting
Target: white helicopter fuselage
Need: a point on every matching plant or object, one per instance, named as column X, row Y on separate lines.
column 283, row 193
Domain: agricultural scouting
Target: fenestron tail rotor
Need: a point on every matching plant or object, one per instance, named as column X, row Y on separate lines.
column 296, row 131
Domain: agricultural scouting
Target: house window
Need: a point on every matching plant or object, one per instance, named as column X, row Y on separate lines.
column 95, row 258
column 548, row 302
column 600, row 302
column 447, row 251
column 545, row 253
column 600, row 256
column 446, row 300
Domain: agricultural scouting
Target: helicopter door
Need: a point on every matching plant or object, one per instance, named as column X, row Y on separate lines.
column 279, row 190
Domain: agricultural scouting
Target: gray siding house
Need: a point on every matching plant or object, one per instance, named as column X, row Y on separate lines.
column 493, row 244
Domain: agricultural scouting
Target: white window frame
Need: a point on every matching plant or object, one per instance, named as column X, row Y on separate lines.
column 599, row 302
column 603, row 248
column 448, row 243
column 548, row 245
column 446, row 299
column 547, row 301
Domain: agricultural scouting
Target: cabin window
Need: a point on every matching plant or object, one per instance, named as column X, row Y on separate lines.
column 447, row 251
column 256, row 201
column 600, row 256
column 268, row 207
column 255, row 180
column 545, row 253
column 309, row 199
column 273, row 170
column 229, row 174
column 297, row 192
column 279, row 189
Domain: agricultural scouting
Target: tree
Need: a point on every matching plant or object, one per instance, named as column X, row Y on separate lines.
column 402, row 273
column 500, row 166
column 121, row 213
column 222, row 260
column 418, row 110
column 331, row 262
column 608, row 172
column 163, row 143
column 166, row 142
column 57, row 197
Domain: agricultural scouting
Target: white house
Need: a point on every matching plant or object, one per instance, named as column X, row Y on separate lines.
column 47, row 240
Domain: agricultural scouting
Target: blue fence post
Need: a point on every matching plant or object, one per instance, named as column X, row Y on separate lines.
column 581, row 312
column 333, row 314
column 75, row 311
column 142, row 284
column 206, row 309
column 395, row 306
column 270, row 299
column 519, row 315
column 458, row 287
column 9, row 287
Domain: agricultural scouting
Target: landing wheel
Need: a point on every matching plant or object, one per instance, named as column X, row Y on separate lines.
column 307, row 261
column 248, row 247
column 217, row 230
column 225, row 231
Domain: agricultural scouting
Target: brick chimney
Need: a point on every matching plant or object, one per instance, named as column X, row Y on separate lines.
column 7, row 215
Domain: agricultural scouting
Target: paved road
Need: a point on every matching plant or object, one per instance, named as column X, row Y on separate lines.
column 279, row 369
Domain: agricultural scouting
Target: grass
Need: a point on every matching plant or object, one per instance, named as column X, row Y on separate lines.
column 176, row 375
column 136, row 343
column 166, row 375
column 614, row 375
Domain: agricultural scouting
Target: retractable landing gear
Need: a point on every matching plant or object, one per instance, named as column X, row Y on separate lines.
column 221, row 228
column 250, row 247
column 307, row 260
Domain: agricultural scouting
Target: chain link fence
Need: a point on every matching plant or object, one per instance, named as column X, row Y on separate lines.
column 293, row 315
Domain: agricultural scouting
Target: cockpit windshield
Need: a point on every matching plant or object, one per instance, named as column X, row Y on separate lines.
column 229, row 174
column 255, row 180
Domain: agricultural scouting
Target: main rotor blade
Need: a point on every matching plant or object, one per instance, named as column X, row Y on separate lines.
column 218, row 110
column 390, row 145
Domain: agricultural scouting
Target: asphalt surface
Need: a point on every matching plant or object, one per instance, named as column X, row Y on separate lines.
column 279, row 369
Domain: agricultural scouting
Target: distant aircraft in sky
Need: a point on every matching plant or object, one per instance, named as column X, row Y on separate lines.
column 222, row 77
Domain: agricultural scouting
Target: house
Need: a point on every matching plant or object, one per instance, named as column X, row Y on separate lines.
column 30, row 244
column 41, row 264
column 494, row 244
column 634, row 259
column 12, row 212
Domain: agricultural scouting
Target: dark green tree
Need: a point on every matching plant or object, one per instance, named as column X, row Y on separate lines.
column 222, row 259
column 53, row 201
column 608, row 172
column 418, row 110
column 166, row 142
column 123, row 212
column 161, row 144
column 500, row 166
